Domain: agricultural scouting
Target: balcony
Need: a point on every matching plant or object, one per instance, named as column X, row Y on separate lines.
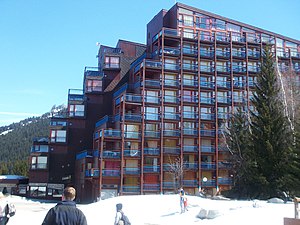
column 151, row 151
column 190, row 115
column 131, row 189
column 223, row 100
column 207, row 116
column 207, row 100
column 225, row 181
column 188, row 148
column 222, row 54
column 111, row 172
column 222, row 37
column 238, row 54
column 94, row 172
column 208, row 148
column 131, row 170
column 132, row 134
column 209, row 183
column 111, row 155
column 171, row 116
column 151, row 187
column 152, row 99
column 190, row 183
column 170, row 184
column 190, row 67
column 190, row 83
column 133, row 98
column 75, row 96
column 239, row 69
column 152, row 64
column 92, row 72
column 171, row 150
column 152, row 116
column 151, row 134
column 253, row 69
column 171, row 83
column 206, row 69
column 132, row 153
column 152, row 83
column 171, row 99
column 237, row 38
column 133, row 117
column 239, row 84
column 190, row 51
column 208, row 166
column 223, row 115
column 171, row 133
column 151, row 169
column 190, row 132
column 253, row 38
column 224, row 165
column 207, row 133
column 207, row 84
column 110, row 133
column 205, row 53
column 170, row 51
column 190, row 99
column 223, row 84
column 238, row 99
column 171, row 66
column 223, row 69
column 253, row 54
column 190, row 166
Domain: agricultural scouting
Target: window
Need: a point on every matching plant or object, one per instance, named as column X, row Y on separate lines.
column 76, row 110
column 112, row 62
column 40, row 148
column 93, row 85
column 58, row 136
column 39, row 162
column 39, row 191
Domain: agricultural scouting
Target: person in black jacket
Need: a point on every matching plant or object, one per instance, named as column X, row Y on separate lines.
column 65, row 212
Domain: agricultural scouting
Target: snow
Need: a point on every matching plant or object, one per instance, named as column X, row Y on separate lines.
column 162, row 210
column 5, row 132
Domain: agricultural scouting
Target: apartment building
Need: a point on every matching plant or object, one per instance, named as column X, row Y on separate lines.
column 149, row 111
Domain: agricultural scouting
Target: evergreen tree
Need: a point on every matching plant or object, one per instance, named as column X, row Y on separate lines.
column 270, row 133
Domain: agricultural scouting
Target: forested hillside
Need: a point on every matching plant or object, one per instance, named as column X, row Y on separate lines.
column 16, row 141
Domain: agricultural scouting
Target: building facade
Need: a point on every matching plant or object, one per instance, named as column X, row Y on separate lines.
column 149, row 111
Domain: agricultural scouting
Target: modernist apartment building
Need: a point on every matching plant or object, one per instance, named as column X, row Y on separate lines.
column 147, row 106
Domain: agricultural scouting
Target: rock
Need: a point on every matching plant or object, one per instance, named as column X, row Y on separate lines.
column 208, row 214
column 202, row 214
column 275, row 200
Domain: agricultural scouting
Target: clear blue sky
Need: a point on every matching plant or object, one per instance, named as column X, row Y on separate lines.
column 45, row 45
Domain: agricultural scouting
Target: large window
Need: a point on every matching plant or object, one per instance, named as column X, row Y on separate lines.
column 58, row 136
column 112, row 62
column 39, row 162
column 76, row 110
column 39, row 191
column 40, row 148
column 93, row 85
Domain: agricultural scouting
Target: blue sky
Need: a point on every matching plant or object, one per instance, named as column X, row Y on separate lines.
column 45, row 45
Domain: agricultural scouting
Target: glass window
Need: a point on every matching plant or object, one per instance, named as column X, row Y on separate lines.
column 112, row 62
column 232, row 27
column 93, row 85
column 39, row 191
column 58, row 135
column 76, row 110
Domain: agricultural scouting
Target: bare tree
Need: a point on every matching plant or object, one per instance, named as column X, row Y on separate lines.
column 177, row 168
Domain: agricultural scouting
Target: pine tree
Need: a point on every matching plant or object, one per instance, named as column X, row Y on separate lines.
column 270, row 133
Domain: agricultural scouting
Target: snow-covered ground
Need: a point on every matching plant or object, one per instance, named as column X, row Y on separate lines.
column 162, row 210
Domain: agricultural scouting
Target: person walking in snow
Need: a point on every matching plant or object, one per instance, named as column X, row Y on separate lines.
column 121, row 218
column 65, row 212
column 3, row 214
column 181, row 195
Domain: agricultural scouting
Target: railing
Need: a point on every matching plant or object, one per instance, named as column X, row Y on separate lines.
column 190, row 51
column 151, row 169
column 209, row 183
column 152, row 99
column 171, row 116
column 222, row 115
column 191, row 99
column 223, row 84
column 131, row 170
column 171, row 66
column 208, row 133
column 170, row 51
column 222, row 53
column 254, row 69
column 208, row 148
column 111, row 155
column 223, row 69
column 225, row 181
column 92, row 71
column 171, row 99
column 152, row 83
column 190, row 115
column 133, row 117
column 151, row 151
column 206, row 53
column 171, row 133
column 110, row 133
column 75, row 95
column 190, row 183
column 133, row 189
column 238, row 53
column 111, row 172
column 207, row 100
column 151, row 187
column 132, row 153
column 132, row 134
column 190, row 131
column 207, row 116
column 190, row 67
column 207, row 69
column 133, row 98
column 171, row 83
column 152, row 134
column 208, row 166
column 224, row 165
column 190, row 82
column 225, row 100
column 239, row 69
column 153, row 64
column 170, row 184
column 239, row 84
column 207, row 84
column 188, row 148
column 152, row 116
column 171, row 150
column 190, row 166
column 253, row 54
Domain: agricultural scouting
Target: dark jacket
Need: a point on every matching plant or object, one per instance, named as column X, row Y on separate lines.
column 65, row 213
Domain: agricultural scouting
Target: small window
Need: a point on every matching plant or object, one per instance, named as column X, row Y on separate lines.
column 112, row 62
